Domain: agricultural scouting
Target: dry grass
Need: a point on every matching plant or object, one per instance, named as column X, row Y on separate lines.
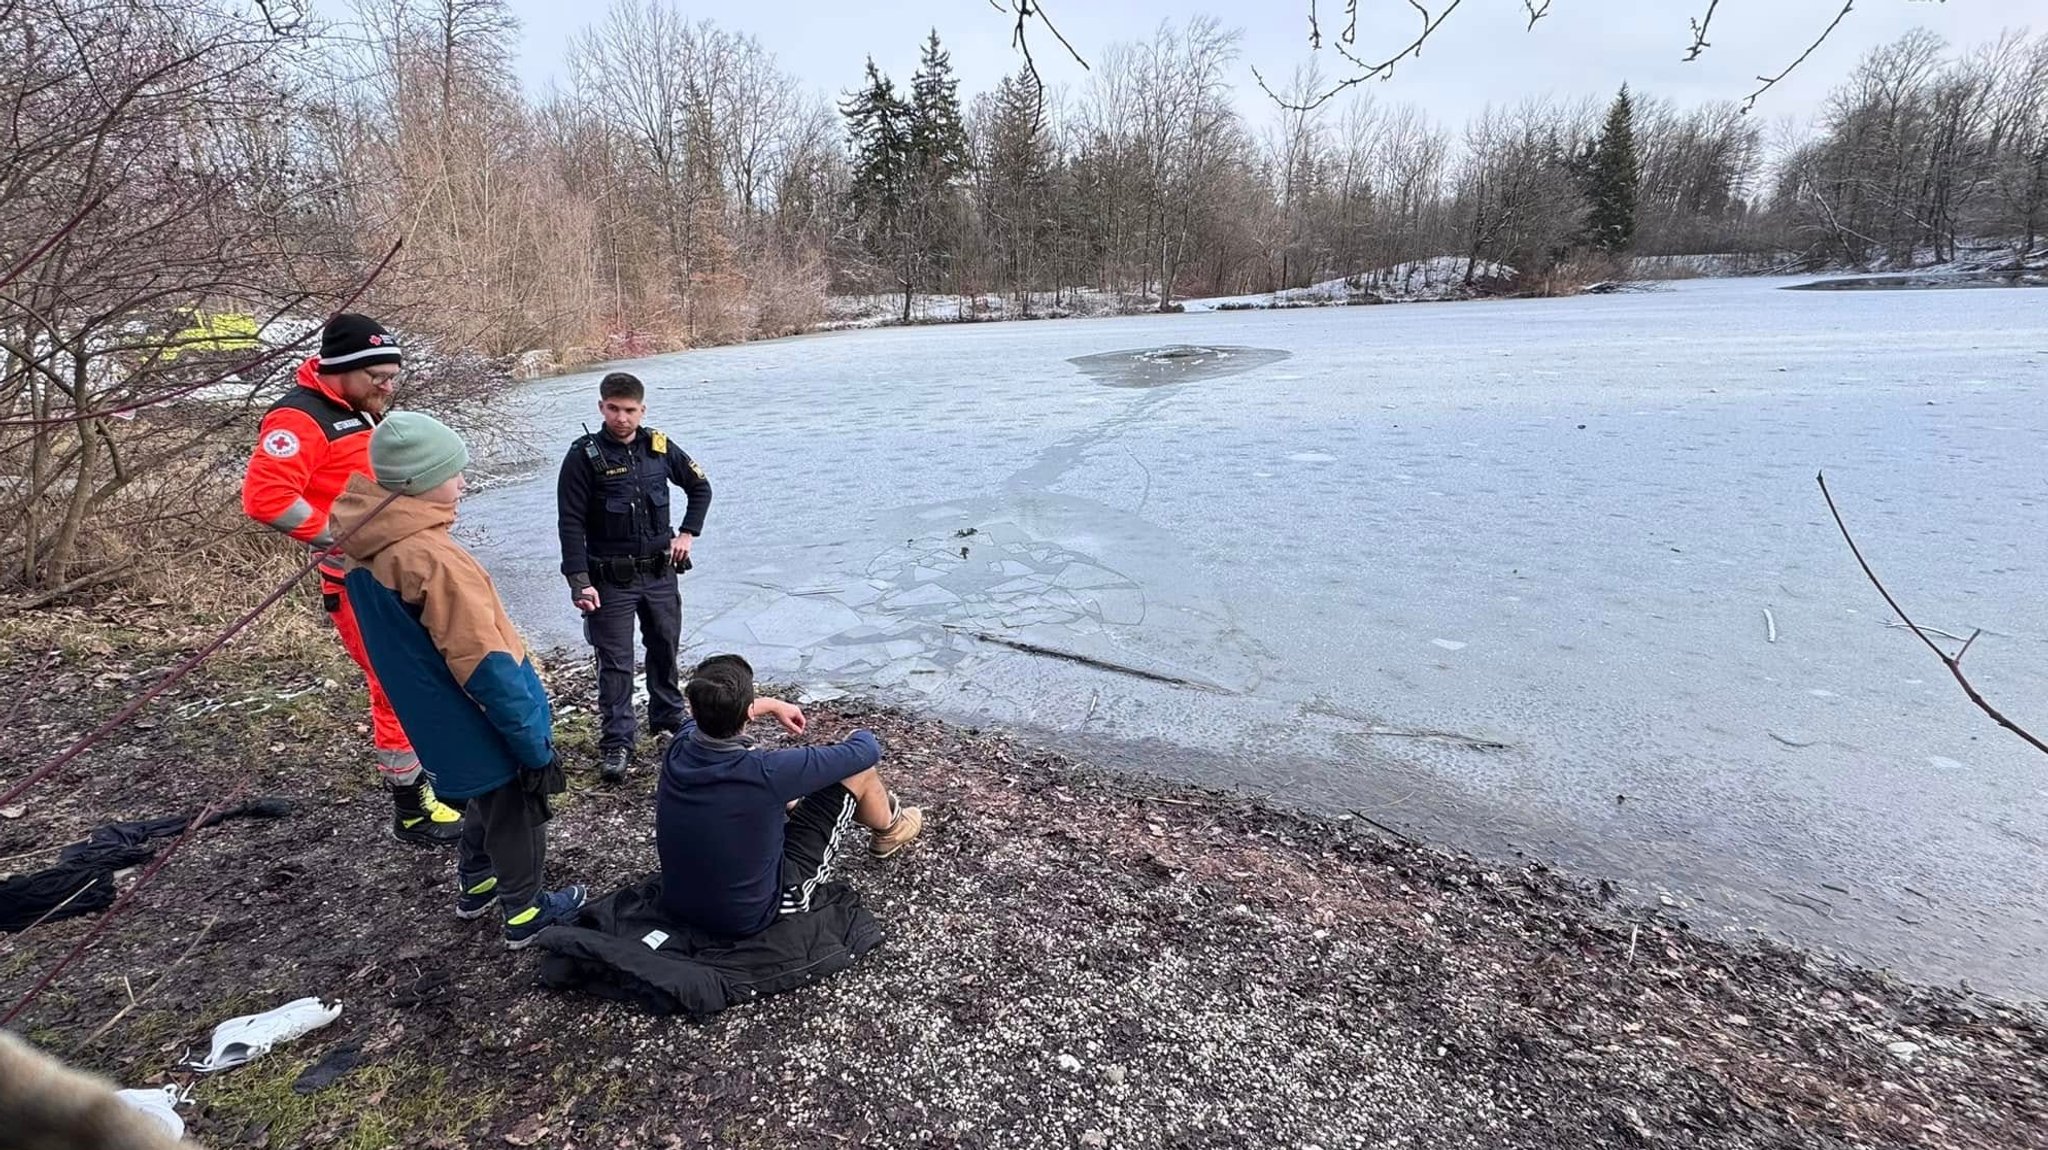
column 131, row 621
column 1663, row 272
column 170, row 581
column 1573, row 275
column 789, row 296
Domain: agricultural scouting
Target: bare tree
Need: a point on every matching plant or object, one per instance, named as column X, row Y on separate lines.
column 463, row 174
column 1409, row 158
column 1518, row 189
column 711, row 173
column 638, row 72
column 1186, row 130
column 1917, row 151
column 1108, row 200
column 1014, row 160
column 144, row 190
column 1701, row 171
column 1298, row 155
column 2018, row 144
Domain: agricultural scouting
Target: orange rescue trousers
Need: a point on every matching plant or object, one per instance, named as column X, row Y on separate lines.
column 396, row 761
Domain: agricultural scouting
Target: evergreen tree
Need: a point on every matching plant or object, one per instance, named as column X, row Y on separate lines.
column 935, row 142
column 889, row 181
column 1612, row 179
column 877, row 128
column 937, row 133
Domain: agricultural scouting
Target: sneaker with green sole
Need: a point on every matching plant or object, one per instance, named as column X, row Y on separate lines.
column 551, row 908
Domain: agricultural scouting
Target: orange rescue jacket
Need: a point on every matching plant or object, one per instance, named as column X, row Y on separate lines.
column 311, row 441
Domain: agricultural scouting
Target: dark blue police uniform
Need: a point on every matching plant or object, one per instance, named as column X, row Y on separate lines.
column 612, row 503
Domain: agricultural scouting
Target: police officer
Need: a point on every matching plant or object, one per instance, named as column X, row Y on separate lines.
column 621, row 559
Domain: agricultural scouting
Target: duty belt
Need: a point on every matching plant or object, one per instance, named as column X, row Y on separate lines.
column 621, row 569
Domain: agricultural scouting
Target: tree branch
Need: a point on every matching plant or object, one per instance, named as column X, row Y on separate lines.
column 90, row 579
column 247, row 365
column 1954, row 662
column 1433, row 19
column 1699, row 33
column 1025, row 10
column 1370, row 71
column 270, row 20
column 1771, row 81
column 56, row 238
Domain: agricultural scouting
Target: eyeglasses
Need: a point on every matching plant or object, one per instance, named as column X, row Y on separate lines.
column 383, row 378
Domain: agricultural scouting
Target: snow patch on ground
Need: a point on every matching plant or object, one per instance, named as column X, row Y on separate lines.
column 1970, row 257
column 1441, row 278
column 854, row 312
column 1710, row 265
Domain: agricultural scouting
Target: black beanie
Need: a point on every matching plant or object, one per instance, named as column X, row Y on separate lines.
column 351, row 341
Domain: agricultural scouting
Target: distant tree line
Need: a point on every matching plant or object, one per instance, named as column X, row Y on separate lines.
column 680, row 188
column 1922, row 149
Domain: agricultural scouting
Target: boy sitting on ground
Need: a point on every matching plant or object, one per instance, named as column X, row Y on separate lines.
column 455, row 670
column 748, row 835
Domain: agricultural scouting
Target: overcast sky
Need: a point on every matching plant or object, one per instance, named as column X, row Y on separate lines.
column 1482, row 53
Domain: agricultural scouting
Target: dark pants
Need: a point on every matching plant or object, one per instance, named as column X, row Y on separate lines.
column 811, row 841
column 657, row 602
column 504, row 832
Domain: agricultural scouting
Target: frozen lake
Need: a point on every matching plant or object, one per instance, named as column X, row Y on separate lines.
column 1555, row 526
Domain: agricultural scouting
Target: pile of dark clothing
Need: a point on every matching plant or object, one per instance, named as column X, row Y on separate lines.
column 82, row 881
column 623, row 948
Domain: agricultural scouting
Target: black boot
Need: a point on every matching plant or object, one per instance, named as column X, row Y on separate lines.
column 417, row 819
column 611, row 764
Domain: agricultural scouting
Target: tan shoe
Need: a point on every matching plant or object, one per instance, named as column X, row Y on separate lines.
column 902, row 828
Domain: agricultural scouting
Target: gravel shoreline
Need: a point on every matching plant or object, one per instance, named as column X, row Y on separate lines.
column 1073, row 959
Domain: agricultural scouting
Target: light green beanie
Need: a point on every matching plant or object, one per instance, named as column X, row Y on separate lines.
column 411, row 453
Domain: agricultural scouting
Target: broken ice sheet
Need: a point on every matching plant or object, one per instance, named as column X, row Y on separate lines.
column 1080, row 576
column 928, row 595
column 793, row 622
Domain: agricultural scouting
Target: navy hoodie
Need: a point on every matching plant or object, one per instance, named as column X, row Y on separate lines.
column 719, row 820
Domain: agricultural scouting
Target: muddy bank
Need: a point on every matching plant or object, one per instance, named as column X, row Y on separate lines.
column 1073, row 960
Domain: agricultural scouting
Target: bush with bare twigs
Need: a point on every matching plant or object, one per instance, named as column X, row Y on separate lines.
column 147, row 184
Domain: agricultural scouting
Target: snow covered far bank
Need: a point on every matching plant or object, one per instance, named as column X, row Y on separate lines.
column 1417, row 281
column 855, row 312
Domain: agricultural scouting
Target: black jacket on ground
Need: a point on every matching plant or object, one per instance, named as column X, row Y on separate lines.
column 623, row 948
column 82, row 881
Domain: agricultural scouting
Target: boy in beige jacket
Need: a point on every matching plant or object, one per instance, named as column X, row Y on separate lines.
column 455, row 670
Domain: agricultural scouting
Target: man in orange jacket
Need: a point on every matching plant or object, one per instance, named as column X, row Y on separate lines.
column 311, row 441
